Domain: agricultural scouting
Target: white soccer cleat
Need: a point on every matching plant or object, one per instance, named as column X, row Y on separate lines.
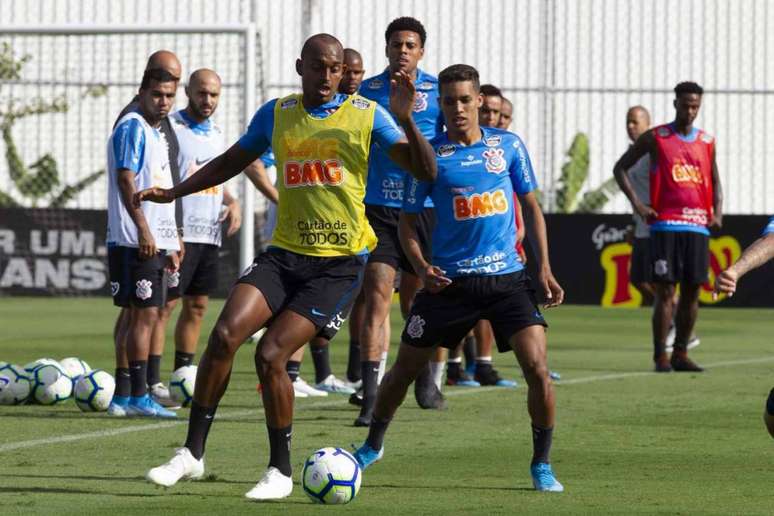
column 273, row 486
column 300, row 386
column 255, row 338
column 334, row 385
column 182, row 466
column 160, row 394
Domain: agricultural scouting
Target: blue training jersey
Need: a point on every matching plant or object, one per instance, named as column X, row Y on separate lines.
column 386, row 180
column 769, row 227
column 475, row 232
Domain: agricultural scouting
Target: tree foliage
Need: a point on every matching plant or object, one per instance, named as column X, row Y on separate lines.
column 575, row 172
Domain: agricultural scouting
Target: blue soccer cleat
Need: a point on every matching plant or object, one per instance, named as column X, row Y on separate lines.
column 490, row 377
column 543, row 478
column 118, row 406
column 554, row 375
column 365, row 455
column 144, row 406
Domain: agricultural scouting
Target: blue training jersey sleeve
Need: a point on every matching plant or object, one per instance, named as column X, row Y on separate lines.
column 259, row 133
column 521, row 171
column 385, row 132
column 769, row 229
column 129, row 145
column 268, row 158
column 414, row 194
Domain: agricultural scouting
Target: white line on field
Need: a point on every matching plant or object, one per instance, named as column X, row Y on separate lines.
column 330, row 403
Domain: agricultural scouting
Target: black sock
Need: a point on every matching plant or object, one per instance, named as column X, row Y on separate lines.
column 483, row 366
column 154, row 369
column 453, row 370
column 353, row 362
column 183, row 359
column 123, row 382
column 770, row 403
column 322, row 363
column 370, row 374
column 658, row 349
column 294, row 369
column 199, row 423
column 279, row 446
column 138, row 373
column 376, row 432
column 541, row 444
column 469, row 350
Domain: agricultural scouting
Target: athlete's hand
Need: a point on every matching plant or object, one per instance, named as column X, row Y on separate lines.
column 433, row 279
column 402, row 93
column 232, row 213
column 154, row 194
column 645, row 211
column 181, row 252
column 173, row 262
column 522, row 255
column 716, row 221
column 551, row 289
column 146, row 244
column 726, row 283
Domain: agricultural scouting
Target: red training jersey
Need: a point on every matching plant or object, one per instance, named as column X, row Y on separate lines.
column 681, row 177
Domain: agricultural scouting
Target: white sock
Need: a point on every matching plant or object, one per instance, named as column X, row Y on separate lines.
column 382, row 367
column 457, row 360
column 436, row 370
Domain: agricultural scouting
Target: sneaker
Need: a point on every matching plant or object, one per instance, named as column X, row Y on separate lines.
column 554, row 376
column 334, row 385
column 356, row 385
column 426, row 392
column 306, row 390
column 356, row 398
column 463, row 380
column 543, row 478
column 681, row 363
column 182, row 466
column 493, row 378
column 160, row 394
column 273, row 486
column 365, row 455
column 693, row 342
column 661, row 364
column 117, row 407
column 144, row 406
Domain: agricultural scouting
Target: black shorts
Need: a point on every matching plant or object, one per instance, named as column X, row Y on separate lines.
column 679, row 256
column 384, row 220
column 135, row 282
column 198, row 274
column 315, row 287
column 334, row 325
column 507, row 301
column 640, row 269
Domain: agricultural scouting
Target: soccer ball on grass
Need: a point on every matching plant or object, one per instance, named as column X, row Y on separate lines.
column 331, row 476
column 181, row 384
column 50, row 384
column 94, row 390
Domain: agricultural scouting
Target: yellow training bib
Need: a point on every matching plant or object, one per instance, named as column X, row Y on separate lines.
column 321, row 176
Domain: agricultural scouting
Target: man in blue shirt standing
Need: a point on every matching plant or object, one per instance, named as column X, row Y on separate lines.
column 475, row 272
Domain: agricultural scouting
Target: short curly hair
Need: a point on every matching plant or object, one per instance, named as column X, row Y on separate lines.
column 405, row 23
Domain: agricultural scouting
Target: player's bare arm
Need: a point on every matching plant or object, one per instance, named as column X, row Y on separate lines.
column 232, row 213
column 256, row 172
column 537, row 224
column 759, row 252
column 642, row 146
column 216, row 172
column 145, row 241
column 432, row 276
column 415, row 153
column 717, row 200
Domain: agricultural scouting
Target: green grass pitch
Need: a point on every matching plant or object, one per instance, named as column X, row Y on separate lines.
column 626, row 441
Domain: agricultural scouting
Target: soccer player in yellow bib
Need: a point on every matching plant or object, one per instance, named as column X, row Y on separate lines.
column 321, row 140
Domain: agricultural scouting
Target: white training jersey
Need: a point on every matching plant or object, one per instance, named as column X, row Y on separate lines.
column 135, row 145
column 639, row 177
column 199, row 143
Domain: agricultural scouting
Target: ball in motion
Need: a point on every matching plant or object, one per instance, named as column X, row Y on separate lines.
column 94, row 390
column 331, row 476
column 181, row 384
column 50, row 384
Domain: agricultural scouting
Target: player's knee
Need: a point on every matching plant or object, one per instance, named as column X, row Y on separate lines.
column 222, row 342
column 268, row 357
column 535, row 371
column 196, row 309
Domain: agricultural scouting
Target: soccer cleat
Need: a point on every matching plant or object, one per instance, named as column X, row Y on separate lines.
column 300, row 386
column 363, row 420
column 492, row 378
column 429, row 397
column 273, row 486
column 462, row 380
column 356, row 385
column 681, row 363
column 554, row 375
column 335, row 386
column 144, row 406
column 117, row 407
column 661, row 364
column 356, row 398
column 543, row 478
column 365, row 455
column 693, row 342
column 160, row 394
column 182, row 466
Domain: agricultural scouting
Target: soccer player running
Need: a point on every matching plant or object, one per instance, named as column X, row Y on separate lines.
column 321, row 142
column 475, row 272
column 685, row 201
column 405, row 46
column 200, row 140
column 760, row 252
column 142, row 239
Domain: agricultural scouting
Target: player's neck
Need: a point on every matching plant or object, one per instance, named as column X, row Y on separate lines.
column 466, row 138
column 310, row 104
column 190, row 113
column 155, row 123
column 684, row 129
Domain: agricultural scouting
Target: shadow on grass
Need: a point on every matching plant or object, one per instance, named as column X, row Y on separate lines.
column 461, row 487
column 121, row 479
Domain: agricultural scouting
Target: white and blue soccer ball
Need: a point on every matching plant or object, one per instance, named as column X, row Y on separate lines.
column 74, row 367
column 331, row 476
column 94, row 390
column 50, row 384
column 39, row 362
column 182, row 383
column 16, row 387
